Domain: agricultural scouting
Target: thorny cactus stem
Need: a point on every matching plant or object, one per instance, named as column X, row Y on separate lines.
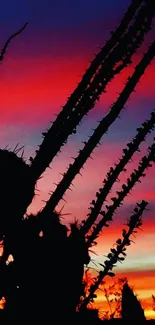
column 113, row 173
column 102, row 128
column 117, row 60
column 89, row 90
column 126, row 188
column 134, row 222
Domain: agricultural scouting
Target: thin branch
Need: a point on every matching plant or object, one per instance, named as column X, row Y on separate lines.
column 3, row 51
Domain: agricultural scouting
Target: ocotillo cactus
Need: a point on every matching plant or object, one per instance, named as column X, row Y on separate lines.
column 106, row 68
column 134, row 223
column 40, row 245
column 126, row 188
column 102, row 128
column 115, row 171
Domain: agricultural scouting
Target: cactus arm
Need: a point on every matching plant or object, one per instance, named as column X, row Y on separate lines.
column 126, row 188
column 134, row 223
column 102, row 128
column 3, row 51
column 99, row 58
column 117, row 60
column 113, row 174
column 76, row 108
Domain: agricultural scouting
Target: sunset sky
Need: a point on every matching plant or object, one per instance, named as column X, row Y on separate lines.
column 41, row 68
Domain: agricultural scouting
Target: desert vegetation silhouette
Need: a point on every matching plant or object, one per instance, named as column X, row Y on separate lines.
column 43, row 262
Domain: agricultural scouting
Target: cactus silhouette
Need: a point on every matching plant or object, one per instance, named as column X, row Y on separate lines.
column 126, row 188
column 131, row 307
column 102, row 128
column 107, row 64
column 43, row 261
column 113, row 173
column 114, row 255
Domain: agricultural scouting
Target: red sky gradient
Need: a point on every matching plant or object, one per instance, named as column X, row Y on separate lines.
column 39, row 87
column 40, row 70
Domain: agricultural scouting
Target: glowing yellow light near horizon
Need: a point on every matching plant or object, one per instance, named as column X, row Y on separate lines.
column 150, row 314
column 2, row 302
column 41, row 234
column 10, row 259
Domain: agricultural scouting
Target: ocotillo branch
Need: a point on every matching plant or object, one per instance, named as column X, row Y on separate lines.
column 134, row 223
column 126, row 188
column 102, row 128
column 113, row 173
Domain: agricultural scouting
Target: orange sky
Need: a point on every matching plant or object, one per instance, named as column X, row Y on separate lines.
column 142, row 284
